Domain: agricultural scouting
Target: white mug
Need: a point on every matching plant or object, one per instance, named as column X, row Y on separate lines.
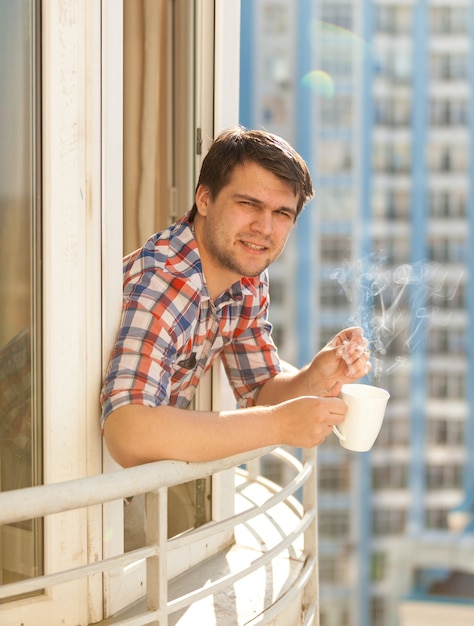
column 366, row 409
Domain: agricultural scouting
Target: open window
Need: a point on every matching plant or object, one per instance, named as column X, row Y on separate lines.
column 95, row 92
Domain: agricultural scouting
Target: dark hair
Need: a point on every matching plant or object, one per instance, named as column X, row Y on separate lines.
column 239, row 145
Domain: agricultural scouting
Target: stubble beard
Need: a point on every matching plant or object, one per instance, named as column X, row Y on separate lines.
column 227, row 259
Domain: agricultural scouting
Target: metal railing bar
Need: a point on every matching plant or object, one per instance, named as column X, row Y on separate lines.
column 48, row 580
column 32, row 502
column 225, row 581
column 29, row 503
column 239, row 518
column 292, row 504
column 262, row 480
column 40, row 582
column 156, row 522
column 310, row 615
column 286, row 457
column 143, row 619
column 271, row 612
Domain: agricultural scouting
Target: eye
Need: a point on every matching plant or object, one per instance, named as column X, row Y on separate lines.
column 287, row 214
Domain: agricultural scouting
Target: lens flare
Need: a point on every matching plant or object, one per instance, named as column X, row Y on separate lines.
column 338, row 50
column 319, row 82
column 330, row 38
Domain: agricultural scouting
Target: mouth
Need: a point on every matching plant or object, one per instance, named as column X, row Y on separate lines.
column 254, row 246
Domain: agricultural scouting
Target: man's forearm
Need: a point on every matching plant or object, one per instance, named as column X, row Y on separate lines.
column 137, row 434
column 284, row 386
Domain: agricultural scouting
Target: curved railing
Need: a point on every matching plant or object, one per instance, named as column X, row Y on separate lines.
column 153, row 480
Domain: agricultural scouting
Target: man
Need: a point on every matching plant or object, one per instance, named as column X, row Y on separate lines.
column 200, row 289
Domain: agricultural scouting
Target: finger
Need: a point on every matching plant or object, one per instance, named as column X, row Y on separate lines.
column 337, row 411
column 352, row 352
column 359, row 368
column 335, row 390
column 341, row 337
column 354, row 334
column 358, row 347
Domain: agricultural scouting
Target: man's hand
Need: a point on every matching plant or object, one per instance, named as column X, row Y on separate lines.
column 308, row 420
column 344, row 359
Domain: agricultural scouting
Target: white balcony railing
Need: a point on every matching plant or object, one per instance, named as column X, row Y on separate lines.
column 153, row 480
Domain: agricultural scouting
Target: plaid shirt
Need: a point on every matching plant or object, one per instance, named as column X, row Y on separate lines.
column 171, row 331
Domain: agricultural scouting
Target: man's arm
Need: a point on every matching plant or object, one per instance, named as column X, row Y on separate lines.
column 296, row 409
column 137, row 434
column 343, row 360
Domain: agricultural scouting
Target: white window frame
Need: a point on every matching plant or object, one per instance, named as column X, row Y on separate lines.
column 71, row 298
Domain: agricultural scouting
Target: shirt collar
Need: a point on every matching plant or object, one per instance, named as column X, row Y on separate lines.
column 183, row 254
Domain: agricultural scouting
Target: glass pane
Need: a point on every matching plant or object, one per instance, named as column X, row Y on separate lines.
column 20, row 431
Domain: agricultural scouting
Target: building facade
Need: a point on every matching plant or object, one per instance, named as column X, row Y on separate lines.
column 377, row 96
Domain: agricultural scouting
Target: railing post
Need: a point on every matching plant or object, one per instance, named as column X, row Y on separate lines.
column 253, row 469
column 156, row 516
column 310, row 497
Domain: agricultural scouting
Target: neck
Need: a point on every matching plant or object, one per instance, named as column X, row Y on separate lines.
column 218, row 279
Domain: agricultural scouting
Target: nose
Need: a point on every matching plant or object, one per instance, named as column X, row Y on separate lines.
column 263, row 222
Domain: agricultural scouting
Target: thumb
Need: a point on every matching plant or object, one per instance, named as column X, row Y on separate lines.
column 335, row 389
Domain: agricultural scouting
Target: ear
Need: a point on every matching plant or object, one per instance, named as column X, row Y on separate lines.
column 202, row 199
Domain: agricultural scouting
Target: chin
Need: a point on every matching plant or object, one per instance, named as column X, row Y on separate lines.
column 256, row 272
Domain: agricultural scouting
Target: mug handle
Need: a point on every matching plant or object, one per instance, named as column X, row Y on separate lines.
column 338, row 434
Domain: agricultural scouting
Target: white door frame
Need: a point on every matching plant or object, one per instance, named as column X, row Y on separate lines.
column 216, row 107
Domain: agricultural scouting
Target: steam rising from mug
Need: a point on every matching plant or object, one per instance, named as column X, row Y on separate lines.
column 395, row 307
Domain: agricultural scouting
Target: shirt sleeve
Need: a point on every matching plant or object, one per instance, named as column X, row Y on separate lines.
column 251, row 358
column 144, row 355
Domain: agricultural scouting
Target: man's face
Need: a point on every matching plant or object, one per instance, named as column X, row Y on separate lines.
column 245, row 227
